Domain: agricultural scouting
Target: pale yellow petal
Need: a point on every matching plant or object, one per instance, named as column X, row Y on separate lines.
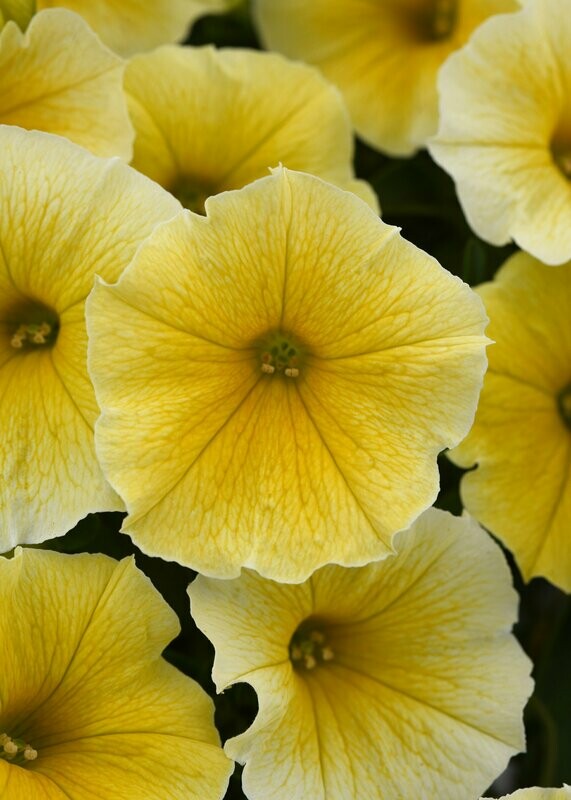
column 64, row 216
column 521, row 489
column 537, row 793
column 505, row 103
column 222, row 464
column 130, row 26
column 209, row 120
column 422, row 695
column 383, row 57
column 58, row 77
column 108, row 717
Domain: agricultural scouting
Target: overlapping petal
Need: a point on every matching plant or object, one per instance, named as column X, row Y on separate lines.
column 130, row 26
column 505, row 129
column 208, row 120
column 413, row 686
column 537, row 793
column 65, row 215
column 83, row 682
column 521, row 439
column 383, row 56
column 58, row 77
column 224, row 460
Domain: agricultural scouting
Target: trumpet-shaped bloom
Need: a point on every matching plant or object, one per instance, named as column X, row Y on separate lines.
column 64, row 215
column 505, row 130
column 208, row 120
column 384, row 56
column 537, row 793
column 89, row 709
column 58, row 77
column 399, row 679
column 129, row 26
column 521, row 439
column 277, row 378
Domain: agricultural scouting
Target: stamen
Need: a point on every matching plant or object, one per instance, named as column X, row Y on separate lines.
column 31, row 334
column 309, row 648
column 280, row 355
column 16, row 751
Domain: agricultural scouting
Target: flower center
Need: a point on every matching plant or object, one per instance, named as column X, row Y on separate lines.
column 427, row 20
column 563, row 161
column 192, row 194
column 16, row 750
column 280, row 353
column 32, row 326
column 309, row 648
column 564, row 405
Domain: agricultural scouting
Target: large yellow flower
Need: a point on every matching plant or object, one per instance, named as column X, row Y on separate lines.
column 399, row 679
column 505, row 131
column 383, row 54
column 277, row 378
column 129, row 26
column 521, row 439
column 58, row 77
column 64, row 215
column 207, row 120
column 89, row 710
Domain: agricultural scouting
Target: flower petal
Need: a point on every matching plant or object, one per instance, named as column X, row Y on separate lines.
column 58, row 77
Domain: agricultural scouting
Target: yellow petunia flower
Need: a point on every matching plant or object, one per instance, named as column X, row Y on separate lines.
column 58, row 77
column 505, row 131
column 399, row 679
column 208, row 120
column 383, row 55
column 130, row 26
column 89, row 710
column 282, row 369
column 64, row 216
column 537, row 793
column 521, row 439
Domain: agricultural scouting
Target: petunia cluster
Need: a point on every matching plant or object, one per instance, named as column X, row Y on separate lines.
column 207, row 330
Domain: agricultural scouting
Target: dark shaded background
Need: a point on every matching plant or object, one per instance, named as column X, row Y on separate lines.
column 418, row 196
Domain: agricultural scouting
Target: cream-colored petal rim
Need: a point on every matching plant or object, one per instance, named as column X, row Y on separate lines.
column 399, row 630
column 501, row 99
column 108, row 717
column 521, row 489
column 218, row 119
column 294, row 253
column 538, row 793
column 58, row 77
column 386, row 74
column 131, row 26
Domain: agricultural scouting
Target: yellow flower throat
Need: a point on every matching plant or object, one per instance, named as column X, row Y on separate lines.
column 564, row 405
column 31, row 326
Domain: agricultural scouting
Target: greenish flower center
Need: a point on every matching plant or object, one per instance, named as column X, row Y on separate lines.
column 563, row 161
column 280, row 353
column 192, row 194
column 32, row 326
column 16, row 751
column 309, row 647
column 564, row 405
column 428, row 20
